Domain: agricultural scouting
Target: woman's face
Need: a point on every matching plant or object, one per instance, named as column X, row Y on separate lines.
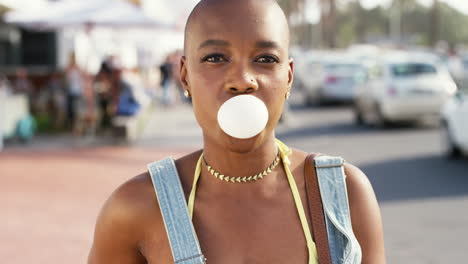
column 232, row 50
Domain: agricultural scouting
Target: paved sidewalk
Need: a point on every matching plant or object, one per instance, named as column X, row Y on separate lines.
column 50, row 198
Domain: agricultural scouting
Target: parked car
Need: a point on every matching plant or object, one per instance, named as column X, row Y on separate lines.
column 464, row 78
column 455, row 124
column 330, row 78
column 402, row 87
column 307, row 63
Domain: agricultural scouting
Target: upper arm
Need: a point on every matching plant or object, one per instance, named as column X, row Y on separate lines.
column 117, row 232
column 365, row 216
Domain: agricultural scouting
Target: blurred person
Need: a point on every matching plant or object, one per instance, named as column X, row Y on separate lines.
column 103, row 86
column 115, row 88
column 22, row 85
column 81, row 104
column 237, row 50
column 167, row 81
column 86, row 50
column 127, row 104
column 5, row 90
column 152, row 81
column 74, row 82
column 139, row 90
column 132, row 94
column 91, row 117
column 58, row 99
column 121, row 100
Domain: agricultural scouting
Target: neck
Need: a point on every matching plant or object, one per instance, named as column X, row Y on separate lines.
column 240, row 159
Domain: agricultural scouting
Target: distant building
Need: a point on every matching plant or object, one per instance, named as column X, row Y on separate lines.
column 22, row 47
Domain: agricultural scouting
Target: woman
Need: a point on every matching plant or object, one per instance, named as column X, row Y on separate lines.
column 234, row 50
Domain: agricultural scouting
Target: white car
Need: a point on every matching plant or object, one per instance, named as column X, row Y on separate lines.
column 328, row 77
column 455, row 124
column 308, row 64
column 402, row 87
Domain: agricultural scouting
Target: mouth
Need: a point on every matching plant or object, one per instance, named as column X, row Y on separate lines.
column 243, row 116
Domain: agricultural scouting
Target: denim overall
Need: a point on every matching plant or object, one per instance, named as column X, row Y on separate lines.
column 344, row 248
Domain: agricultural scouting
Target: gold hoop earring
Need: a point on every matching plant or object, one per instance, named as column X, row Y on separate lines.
column 187, row 94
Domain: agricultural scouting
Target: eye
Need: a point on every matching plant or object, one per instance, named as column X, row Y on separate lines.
column 214, row 58
column 267, row 59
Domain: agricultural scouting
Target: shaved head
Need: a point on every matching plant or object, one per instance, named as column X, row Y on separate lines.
column 235, row 47
column 210, row 12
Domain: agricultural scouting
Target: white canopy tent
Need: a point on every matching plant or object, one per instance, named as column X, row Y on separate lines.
column 138, row 36
column 170, row 11
column 113, row 13
column 23, row 4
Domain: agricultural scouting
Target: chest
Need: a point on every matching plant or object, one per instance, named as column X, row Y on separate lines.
column 241, row 231
column 246, row 231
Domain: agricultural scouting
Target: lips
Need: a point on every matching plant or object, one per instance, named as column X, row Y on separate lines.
column 243, row 116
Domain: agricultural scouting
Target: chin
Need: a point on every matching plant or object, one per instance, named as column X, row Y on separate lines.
column 237, row 145
column 244, row 145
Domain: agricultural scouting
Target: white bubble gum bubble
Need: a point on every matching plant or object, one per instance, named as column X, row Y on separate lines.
column 243, row 116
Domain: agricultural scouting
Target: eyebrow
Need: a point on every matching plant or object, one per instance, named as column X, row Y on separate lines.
column 267, row 44
column 218, row 42
column 214, row 42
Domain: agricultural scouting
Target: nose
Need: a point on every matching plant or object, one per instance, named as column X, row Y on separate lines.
column 241, row 80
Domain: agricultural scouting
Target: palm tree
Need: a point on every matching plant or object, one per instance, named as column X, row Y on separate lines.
column 434, row 23
column 291, row 7
column 328, row 22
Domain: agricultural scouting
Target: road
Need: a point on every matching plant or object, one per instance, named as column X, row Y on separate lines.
column 52, row 195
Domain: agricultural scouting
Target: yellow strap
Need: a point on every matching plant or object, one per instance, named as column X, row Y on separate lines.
column 284, row 152
column 196, row 176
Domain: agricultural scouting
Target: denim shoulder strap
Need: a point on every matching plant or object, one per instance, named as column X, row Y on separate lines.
column 182, row 237
column 344, row 247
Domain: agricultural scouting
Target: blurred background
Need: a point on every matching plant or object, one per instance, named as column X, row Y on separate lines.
column 90, row 93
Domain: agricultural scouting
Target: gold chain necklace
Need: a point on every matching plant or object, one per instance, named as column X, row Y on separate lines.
column 245, row 178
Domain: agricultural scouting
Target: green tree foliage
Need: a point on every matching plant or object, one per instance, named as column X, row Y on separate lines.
column 453, row 27
column 419, row 25
column 291, row 6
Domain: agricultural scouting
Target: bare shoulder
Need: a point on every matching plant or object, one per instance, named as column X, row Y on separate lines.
column 297, row 158
column 131, row 199
column 365, row 215
column 122, row 221
column 362, row 199
column 357, row 182
column 130, row 227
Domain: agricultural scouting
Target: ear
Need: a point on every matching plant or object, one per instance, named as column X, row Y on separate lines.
column 290, row 73
column 183, row 73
